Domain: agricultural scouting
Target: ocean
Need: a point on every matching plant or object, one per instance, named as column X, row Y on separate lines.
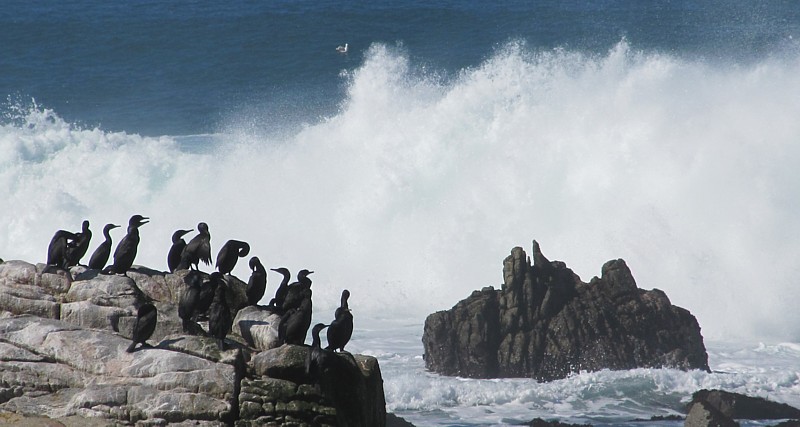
column 405, row 170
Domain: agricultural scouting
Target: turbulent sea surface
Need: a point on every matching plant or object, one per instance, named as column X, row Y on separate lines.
column 665, row 133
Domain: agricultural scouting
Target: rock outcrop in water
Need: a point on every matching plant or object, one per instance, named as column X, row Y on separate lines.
column 62, row 355
column 545, row 323
column 718, row 407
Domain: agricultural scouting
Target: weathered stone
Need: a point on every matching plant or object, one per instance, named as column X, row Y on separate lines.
column 106, row 290
column 546, row 323
column 258, row 327
column 350, row 392
column 703, row 414
column 738, row 406
column 88, row 315
column 63, row 356
column 286, row 362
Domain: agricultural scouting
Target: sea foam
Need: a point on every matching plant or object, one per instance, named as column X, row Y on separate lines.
column 414, row 192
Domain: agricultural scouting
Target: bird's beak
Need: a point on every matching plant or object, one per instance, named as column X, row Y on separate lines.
column 114, row 226
column 144, row 222
column 310, row 272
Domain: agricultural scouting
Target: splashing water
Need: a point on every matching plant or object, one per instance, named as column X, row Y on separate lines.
column 413, row 193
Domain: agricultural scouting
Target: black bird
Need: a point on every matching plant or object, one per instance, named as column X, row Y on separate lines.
column 219, row 316
column 100, row 256
column 341, row 329
column 81, row 245
column 317, row 358
column 295, row 323
column 298, row 290
column 257, row 284
column 207, row 292
column 188, row 303
column 229, row 253
column 145, row 324
column 175, row 251
column 127, row 247
column 198, row 249
column 57, row 250
column 283, row 289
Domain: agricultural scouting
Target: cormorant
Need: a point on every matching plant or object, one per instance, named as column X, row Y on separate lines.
column 188, row 303
column 198, row 249
column 127, row 247
column 146, row 319
column 207, row 292
column 57, row 250
column 257, row 284
column 175, row 251
column 295, row 323
column 341, row 329
column 317, row 358
column 283, row 289
column 298, row 290
column 219, row 316
column 100, row 256
column 229, row 253
column 81, row 245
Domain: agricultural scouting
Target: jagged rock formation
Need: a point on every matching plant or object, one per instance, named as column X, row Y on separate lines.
column 62, row 355
column 545, row 323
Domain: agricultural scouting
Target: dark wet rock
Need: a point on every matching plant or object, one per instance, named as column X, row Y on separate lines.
column 538, row 422
column 742, row 407
column 545, row 323
column 703, row 414
column 393, row 420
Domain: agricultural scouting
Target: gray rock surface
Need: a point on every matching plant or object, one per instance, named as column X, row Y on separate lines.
column 545, row 323
column 258, row 326
column 703, row 414
column 63, row 338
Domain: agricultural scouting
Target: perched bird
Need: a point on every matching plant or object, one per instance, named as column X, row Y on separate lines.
column 198, row 249
column 175, row 251
column 341, row 329
column 57, row 250
column 257, row 284
column 294, row 324
column 127, row 247
column 81, row 245
column 146, row 319
column 298, row 290
column 230, row 252
column 207, row 292
column 188, row 303
column 219, row 316
column 283, row 289
column 100, row 256
column 317, row 358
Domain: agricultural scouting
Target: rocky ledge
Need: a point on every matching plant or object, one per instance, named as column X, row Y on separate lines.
column 545, row 323
column 63, row 338
column 721, row 408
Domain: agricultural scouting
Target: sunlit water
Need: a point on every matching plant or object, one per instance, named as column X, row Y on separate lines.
column 406, row 171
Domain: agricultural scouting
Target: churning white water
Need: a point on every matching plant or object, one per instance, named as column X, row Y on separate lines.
column 416, row 190
column 412, row 195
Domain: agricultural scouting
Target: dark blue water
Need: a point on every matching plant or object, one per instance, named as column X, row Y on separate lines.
column 179, row 68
